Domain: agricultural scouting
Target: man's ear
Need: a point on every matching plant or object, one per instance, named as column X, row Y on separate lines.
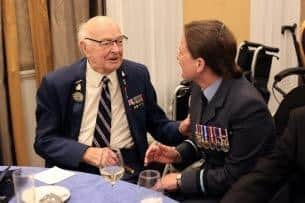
column 200, row 64
column 83, row 47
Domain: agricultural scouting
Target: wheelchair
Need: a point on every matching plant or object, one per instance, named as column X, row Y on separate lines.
column 255, row 60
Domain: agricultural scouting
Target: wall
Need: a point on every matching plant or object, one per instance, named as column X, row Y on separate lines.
column 267, row 18
column 153, row 28
column 302, row 11
column 28, row 91
column 235, row 14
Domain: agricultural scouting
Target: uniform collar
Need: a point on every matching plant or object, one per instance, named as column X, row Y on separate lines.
column 211, row 90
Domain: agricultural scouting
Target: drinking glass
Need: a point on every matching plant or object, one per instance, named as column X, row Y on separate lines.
column 150, row 179
column 114, row 172
column 24, row 186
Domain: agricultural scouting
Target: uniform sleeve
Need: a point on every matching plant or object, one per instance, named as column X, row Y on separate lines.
column 51, row 142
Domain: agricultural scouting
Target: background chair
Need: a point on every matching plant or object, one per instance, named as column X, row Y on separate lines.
column 180, row 101
column 255, row 61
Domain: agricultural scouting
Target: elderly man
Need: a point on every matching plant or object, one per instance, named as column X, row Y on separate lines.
column 100, row 102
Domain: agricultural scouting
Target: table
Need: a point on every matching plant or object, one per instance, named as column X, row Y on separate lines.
column 85, row 187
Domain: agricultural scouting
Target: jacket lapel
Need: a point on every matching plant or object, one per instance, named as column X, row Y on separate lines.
column 217, row 101
column 77, row 102
column 125, row 88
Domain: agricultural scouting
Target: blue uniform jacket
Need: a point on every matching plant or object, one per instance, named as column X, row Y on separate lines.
column 238, row 108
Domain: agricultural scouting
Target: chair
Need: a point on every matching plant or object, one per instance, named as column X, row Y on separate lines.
column 255, row 61
column 180, row 102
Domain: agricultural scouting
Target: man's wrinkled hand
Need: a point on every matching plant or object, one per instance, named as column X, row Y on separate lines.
column 97, row 156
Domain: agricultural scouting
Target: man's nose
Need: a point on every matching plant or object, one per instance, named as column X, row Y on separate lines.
column 115, row 47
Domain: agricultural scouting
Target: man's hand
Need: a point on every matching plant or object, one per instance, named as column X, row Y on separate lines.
column 158, row 152
column 184, row 127
column 97, row 156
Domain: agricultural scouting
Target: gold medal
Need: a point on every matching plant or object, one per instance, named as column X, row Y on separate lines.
column 198, row 136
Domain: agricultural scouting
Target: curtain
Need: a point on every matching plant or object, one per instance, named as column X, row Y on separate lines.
column 267, row 17
column 6, row 155
column 65, row 16
column 153, row 28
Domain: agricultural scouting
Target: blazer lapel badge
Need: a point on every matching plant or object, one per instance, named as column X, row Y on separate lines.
column 213, row 138
column 77, row 95
column 136, row 102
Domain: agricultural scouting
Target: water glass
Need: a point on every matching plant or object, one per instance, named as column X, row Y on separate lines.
column 150, row 179
column 24, row 186
column 115, row 172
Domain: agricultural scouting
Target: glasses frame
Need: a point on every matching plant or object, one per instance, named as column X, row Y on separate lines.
column 109, row 42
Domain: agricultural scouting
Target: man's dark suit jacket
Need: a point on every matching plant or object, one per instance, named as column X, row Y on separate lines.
column 59, row 115
column 273, row 171
column 238, row 107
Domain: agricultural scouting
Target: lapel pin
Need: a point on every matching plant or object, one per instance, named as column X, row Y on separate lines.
column 78, row 87
column 78, row 96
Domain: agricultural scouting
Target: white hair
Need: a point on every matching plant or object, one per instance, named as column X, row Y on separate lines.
column 82, row 28
column 81, row 32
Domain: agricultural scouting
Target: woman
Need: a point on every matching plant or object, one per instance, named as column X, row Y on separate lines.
column 230, row 122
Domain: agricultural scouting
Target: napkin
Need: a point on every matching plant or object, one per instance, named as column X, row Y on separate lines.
column 53, row 175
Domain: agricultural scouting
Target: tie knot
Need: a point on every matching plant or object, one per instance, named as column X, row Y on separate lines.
column 105, row 80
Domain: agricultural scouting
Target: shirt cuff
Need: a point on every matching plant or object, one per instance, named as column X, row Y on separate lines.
column 201, row 180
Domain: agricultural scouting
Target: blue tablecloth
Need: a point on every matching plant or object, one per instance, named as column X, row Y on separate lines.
column 86, row 188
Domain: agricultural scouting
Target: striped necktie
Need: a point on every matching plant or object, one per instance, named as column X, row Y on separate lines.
column 103, row 118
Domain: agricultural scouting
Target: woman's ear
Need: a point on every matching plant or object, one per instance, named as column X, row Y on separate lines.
column 200, row 64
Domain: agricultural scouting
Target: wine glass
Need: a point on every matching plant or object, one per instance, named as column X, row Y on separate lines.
column 114, row 172
column 150, row 179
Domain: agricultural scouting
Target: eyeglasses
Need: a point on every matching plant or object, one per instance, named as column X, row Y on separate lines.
column 107, row 43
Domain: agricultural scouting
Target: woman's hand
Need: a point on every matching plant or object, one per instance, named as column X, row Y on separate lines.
column 158, row 152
